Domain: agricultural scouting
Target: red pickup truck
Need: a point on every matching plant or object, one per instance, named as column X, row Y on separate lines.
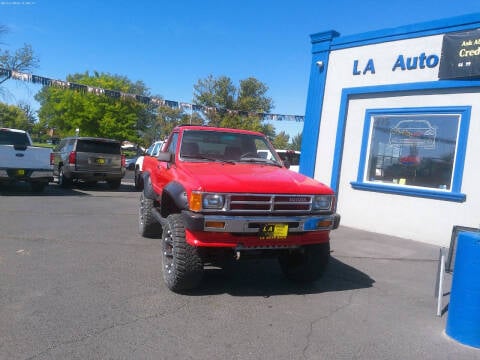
column 211, row 197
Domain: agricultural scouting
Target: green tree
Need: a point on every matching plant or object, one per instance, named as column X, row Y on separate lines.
column 95, row 115
column 296, row 142
column 167, row 118
column 252, row 96
column 281, row 141
column 12, row 116
column 228, row 106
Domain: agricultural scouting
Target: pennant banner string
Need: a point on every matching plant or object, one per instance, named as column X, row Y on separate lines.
column 35, row 79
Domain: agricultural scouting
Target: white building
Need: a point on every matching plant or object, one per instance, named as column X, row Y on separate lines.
column 392, row 124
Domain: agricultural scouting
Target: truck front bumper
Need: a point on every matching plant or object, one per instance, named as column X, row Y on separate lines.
column 246, row 231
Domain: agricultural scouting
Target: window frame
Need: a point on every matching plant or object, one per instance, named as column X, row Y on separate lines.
column 453, row 194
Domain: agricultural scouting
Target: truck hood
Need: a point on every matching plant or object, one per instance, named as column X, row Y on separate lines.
column 249, row 178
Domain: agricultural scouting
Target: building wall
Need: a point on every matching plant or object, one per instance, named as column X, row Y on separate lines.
column 365, row 73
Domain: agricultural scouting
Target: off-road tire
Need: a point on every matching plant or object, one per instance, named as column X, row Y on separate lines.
column 181, row 263
column 38, row 187
column 148, row 226
column 306, row 264
column 138, row 179
column 63, row 181
column 114, row 184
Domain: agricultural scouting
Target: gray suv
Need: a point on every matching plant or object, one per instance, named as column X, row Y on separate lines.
column 90, row 160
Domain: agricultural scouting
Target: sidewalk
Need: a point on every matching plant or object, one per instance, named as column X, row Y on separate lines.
column 392, row 310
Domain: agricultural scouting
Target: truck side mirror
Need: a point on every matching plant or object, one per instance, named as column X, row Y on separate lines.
column 164, row 156
column 286, row 163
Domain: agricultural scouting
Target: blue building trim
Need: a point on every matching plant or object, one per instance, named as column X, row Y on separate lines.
column 318, row 74
column 404, row 89
column 459, row 23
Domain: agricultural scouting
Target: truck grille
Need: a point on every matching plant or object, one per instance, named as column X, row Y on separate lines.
column 269, row 203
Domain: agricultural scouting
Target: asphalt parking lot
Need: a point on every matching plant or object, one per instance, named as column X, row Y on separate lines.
column 78, row 282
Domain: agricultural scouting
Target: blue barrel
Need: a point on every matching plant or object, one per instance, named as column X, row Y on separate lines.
column 463, row 322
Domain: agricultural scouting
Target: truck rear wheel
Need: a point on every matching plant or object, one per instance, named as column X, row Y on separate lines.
column 148, row 226
column 114, row 184
column 138, row 179
column 63, row 181
column 182, row 265
column 37, row 187
column 306, row 264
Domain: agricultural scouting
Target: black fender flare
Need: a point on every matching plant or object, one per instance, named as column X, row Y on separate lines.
column 177, row 193
column 174, row 190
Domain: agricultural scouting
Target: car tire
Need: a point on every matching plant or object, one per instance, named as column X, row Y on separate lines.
column 138, row 179
column 63, row 180
column 148, row 226
column 38, row 187
column 306, row 264
column 181, row 262
column 114, row 184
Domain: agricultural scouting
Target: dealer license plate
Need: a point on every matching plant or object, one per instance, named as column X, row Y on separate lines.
column 100, row 161
column 273, row 232
column 20, row 172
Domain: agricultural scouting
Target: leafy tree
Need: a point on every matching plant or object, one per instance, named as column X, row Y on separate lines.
column 268, row 130
column 296, row 142
column 252, row 96
column 167, row 118
column 232, row 107
column 95, row 115
column 12, row 116
column 22, row 59
column 281, row 141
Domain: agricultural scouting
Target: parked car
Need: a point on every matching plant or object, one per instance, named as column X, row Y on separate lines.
column 130, row 163
column 20, row 161
column 88, row 159
column 290, row 158
column 152, row 150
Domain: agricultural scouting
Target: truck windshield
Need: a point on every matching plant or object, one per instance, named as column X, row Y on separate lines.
column 225, row 146
column 8, row 137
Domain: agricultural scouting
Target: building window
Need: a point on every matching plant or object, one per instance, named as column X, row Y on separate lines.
column 417, row 152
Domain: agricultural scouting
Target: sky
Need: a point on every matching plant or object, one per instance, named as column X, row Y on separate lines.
column 170, row 45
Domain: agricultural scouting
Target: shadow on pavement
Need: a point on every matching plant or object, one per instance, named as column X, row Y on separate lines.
column 264, row 278
column 23, row 189
column 103, row 186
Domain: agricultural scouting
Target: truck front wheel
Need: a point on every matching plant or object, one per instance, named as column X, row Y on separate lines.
column 182, row 265
column 306, row 264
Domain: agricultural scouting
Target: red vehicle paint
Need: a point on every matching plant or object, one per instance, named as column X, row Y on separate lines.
column 211, row 197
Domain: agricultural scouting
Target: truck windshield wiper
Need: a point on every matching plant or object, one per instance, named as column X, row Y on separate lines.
column 260, row 161
column 203, row 157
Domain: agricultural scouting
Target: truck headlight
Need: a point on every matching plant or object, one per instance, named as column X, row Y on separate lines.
column 204, row 201
column 322, row 202
column 213, row 201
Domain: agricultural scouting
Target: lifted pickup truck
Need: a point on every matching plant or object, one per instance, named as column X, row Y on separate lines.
column 22, row 162
column 212, row 198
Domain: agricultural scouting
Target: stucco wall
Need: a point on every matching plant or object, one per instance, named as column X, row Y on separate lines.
column 422, row 219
